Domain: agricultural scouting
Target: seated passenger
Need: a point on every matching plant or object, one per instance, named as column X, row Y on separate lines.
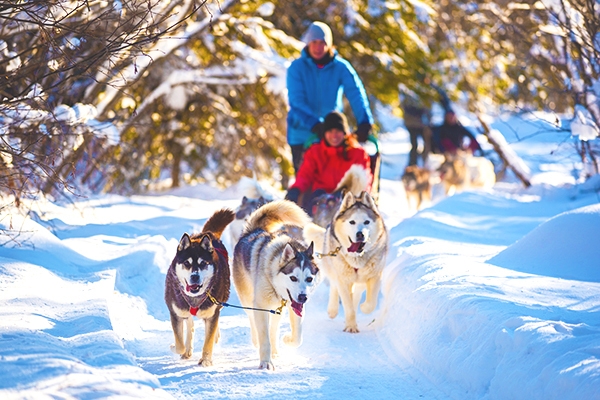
column 452, row 135
column 326, row 161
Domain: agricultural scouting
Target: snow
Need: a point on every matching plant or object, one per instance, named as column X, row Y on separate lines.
column 486, row 295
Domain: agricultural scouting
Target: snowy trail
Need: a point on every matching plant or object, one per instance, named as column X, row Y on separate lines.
column 329, row 364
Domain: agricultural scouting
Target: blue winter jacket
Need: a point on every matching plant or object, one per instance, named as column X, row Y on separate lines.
column 314, row 92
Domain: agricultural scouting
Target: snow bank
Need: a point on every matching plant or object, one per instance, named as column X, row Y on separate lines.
column 565, row 247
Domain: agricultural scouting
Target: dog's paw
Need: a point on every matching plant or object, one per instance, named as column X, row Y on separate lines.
column 205, row 362
column 186, row 355
column 332, row 312
column 367, row 308
column 178, row 350
column 266, row 365
column 291, row 341
column 351, row 328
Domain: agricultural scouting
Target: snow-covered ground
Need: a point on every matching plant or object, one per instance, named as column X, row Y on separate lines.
column 487, row 295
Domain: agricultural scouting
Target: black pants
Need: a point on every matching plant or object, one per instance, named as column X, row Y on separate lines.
column 297, row 156
column 414, row 133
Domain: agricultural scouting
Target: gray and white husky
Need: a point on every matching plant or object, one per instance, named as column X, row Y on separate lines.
column 197, row 279
column 271, row 269
column 353, row 252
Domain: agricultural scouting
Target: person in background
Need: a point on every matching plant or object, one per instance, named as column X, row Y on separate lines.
column 326, row 161
column 416, row 120
column 316, row 83
column 453, row 134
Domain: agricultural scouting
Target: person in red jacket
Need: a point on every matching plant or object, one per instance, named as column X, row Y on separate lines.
column 326, row 161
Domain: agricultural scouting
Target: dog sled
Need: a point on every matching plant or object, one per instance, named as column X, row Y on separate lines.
column 372, row 148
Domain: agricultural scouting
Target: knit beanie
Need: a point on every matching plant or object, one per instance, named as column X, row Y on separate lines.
column 337, row 120
column 318, row 31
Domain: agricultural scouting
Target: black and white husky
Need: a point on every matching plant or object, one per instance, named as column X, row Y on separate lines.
column 272, row 269
column 197, row 281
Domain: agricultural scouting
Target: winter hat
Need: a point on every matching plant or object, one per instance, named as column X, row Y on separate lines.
column 318, row 31
column 337, row 120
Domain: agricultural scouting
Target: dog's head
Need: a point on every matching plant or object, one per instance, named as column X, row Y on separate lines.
column 324, row 208
column 298, row 275
column 195, row 264
column 453, row 169
column 409, row 178
column 415, row 178
column 357, row 223
column 248, row 206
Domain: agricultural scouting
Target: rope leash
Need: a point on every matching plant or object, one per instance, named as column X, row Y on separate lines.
column 277, row 311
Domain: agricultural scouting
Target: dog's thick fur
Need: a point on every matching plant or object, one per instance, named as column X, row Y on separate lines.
column 354, row 248
column 271, row 268
column 417, row 185
column 355, row 180
column 199, row 270
column 462, row 171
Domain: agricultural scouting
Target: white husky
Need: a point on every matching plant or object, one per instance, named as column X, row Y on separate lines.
column 353, row 250
column 271, row 270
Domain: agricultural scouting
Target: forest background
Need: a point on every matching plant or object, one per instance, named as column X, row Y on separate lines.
column 126, row 96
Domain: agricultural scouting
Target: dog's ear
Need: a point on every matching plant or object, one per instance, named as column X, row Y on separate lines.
column 289, row 253
column 367, row 200
column 184, row 242
column 348, row 201
column 206, row 243
column 310, row 250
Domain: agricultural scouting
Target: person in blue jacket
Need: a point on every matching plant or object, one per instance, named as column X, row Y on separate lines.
column 316, row 84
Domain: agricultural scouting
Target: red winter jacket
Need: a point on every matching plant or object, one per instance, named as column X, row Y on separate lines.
column 323, row 167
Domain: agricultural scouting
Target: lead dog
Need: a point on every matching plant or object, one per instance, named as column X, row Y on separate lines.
column 271, row 270
column 416, row 181
column 197, row 276
column 353, row 251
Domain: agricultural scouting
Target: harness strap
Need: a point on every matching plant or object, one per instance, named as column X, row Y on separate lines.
column 330, row 254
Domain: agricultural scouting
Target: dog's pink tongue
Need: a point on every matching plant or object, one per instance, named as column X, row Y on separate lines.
column 192, row 288
column 297, row 307
column 354, row 247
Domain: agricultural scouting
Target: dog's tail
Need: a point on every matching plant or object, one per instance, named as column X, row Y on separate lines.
column 273, row 215
column 218, row 221
column 355, row 180
column 316, row 234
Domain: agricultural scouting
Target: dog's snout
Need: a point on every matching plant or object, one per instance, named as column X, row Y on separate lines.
column 302, row 298
column 360, row 237
column 195, row 279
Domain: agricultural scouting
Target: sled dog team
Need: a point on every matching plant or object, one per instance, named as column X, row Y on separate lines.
column 456, row 172
column 274, row 268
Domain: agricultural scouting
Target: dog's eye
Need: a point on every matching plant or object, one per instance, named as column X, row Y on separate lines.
column 187, row 264
column 294, row 279
column 309, row 279
column 352, row 223
column 367, row 222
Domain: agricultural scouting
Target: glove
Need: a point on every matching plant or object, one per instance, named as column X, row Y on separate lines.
column 363, row 131
column 318, row 129
column 292, row 195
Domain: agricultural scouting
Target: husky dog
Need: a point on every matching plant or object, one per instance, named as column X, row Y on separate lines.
column 197, row 282
column 355, row 180
column 462, row 170
column 417, row 185
column 353, row 251
column 272, row 269
column 248, row 206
